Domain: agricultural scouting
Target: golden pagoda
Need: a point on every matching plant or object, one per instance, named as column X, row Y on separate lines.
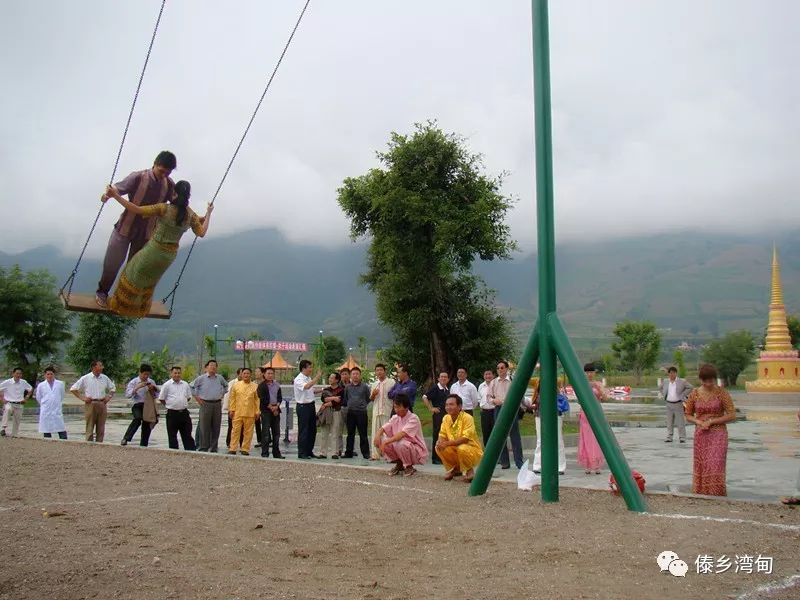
column 350, row 363
column 779, row 364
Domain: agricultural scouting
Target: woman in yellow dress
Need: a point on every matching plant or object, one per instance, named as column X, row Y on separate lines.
column 143, row 271
column 458, row 444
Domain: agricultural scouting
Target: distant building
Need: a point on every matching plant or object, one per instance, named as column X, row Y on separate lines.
column 779, row 363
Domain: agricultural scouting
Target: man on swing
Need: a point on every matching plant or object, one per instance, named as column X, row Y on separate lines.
column 131, row 232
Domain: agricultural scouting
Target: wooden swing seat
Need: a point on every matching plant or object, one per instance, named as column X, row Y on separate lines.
column 86, row 303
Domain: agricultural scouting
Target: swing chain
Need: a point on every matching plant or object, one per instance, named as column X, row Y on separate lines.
column 171, row 295
column 71, row 279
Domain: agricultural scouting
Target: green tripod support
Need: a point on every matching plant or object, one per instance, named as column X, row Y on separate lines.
column 549, row 341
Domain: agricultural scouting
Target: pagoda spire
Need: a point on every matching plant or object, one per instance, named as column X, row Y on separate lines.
column 777, row 290
column 778, row 330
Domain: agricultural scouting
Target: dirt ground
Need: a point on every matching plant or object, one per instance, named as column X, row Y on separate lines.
column 84, row 521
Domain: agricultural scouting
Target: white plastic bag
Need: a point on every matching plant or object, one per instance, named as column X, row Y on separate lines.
column 526, row 478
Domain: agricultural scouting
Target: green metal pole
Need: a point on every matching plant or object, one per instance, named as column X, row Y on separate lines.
column 508, row 412
column 597, row 419
column 546, row 249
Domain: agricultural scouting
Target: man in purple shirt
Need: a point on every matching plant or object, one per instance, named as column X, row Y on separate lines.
column 405, row 385
column 131, row 232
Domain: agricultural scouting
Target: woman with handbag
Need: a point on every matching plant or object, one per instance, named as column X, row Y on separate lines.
column 330, row 414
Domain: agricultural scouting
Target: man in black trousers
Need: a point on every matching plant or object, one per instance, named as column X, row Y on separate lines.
column 357, row 396
column 434, row 399
column 270, row 398
column 304, row 399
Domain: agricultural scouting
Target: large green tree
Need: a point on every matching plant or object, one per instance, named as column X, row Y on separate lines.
column 731, row 355
column 101, row 337
column 33, row 324
column 429, row 212
column 637, row 346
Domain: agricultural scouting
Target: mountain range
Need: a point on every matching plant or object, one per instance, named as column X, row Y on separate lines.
column 695, row 286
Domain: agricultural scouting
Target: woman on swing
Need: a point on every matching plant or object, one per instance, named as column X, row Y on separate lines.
column 143, row 271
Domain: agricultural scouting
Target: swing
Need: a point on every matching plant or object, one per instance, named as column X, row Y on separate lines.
column 159, row 310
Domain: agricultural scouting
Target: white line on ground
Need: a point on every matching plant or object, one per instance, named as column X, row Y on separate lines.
column 771, row 587
column 92, row 501
column 371, row 483
column 725, row 520
column 224, row 486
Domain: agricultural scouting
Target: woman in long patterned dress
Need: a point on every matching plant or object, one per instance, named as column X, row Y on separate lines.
column 709, row 407
column 134, row 292
column 590, row 455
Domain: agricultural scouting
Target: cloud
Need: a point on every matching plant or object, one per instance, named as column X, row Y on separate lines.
column 666, row 115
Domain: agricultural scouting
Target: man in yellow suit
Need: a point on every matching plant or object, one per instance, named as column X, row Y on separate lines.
column 458, row 444
column 244, row 410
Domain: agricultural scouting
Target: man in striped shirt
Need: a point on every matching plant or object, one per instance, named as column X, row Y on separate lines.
column 131, row 232
column 498, row 390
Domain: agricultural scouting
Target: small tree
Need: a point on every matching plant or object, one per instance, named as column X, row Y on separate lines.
column 637, row 346
column 608, row 362
column 161, row 362
column 362, row 351
column 33, row 324
column 101, row 337
column 248, row 354
column 680, row 362
column 210, row 346
column 333, row 351
column 731, row 355
column 188, row 371
column 794, row 329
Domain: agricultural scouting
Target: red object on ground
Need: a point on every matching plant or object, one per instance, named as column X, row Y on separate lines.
column 637, row 477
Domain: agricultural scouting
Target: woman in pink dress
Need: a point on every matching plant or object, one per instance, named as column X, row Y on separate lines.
column 590, row 456
column 709, row 407
column 400, row 440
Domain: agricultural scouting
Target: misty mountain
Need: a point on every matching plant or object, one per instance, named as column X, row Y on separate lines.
column 693, row 286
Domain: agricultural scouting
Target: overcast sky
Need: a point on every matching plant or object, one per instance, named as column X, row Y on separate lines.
column 668, row 114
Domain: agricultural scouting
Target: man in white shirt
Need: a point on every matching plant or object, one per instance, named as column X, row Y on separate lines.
column 674, row 391
column 487, row 406
column 306, row 410
column 50, row 396
column 467, row 391
column 13, row 393
column 95, row 390
column 175, row 395
column 381, row 405
column 498, row 390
